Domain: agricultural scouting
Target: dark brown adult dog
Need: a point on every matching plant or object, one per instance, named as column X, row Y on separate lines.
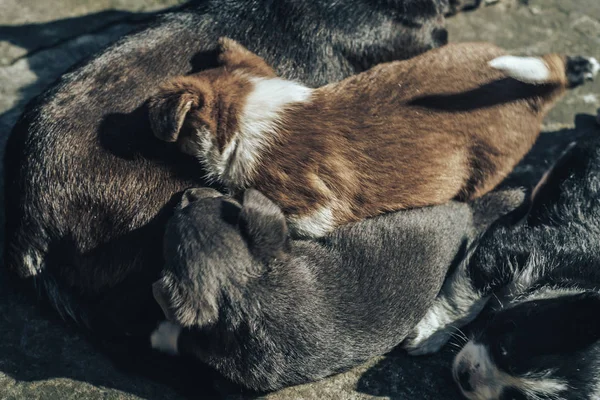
column 87, row 195
column 451, row 123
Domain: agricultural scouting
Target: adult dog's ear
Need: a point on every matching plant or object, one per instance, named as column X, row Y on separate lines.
column 263, row 225
column 583, row 317
column 169, row 108
column 233, row 56
column 566, row 323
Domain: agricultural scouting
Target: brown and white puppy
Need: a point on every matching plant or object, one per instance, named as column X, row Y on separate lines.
column 451, row 123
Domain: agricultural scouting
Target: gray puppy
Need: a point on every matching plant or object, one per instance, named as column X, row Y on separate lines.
column 268, row 312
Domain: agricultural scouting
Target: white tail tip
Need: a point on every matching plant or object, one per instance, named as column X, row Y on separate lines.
column 165, row 337
column 525, row 69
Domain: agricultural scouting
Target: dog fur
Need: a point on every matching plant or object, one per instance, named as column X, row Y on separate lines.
column 267, row 312
column 87, row 195
column 448, row 124
column 540, row 339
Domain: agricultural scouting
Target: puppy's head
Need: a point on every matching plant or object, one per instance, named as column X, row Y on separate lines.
column 538, row 349
column 215, row 248
column 200, row 112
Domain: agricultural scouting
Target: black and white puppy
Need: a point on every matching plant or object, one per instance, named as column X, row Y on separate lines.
column 87, row 192
column 541, row 339
column 268, row 312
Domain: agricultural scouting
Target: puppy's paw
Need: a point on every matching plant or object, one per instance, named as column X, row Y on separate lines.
column 232, row 53
column 229, row 45
column 581, row 69
column 165, row 337
column 427, row 337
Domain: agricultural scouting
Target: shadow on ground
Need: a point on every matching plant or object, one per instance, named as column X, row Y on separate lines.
column 547, row 149
column 52, row 48
column 40, row 350
column 399, row 376
column 71, row 40
column 38, row 36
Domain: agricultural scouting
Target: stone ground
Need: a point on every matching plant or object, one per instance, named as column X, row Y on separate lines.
column 41, row 358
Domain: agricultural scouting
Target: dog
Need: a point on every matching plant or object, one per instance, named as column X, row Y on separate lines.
column 541, row 339
column 447, row 124
column 268, row 312
column 87, row 195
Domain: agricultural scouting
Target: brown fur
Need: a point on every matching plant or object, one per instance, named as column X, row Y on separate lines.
column 405, row 134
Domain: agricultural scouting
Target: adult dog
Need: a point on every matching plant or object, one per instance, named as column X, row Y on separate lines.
column 87, row 190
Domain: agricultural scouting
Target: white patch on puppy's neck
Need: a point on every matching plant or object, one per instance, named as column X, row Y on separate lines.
column 258, row 122
column 315, row 225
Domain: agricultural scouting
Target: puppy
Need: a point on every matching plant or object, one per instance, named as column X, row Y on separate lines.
column 267, row 312
column 87, row 195
column 448, row 124
column 541, row 340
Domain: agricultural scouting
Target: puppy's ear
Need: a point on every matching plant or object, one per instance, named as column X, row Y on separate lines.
column 184, row 302
column 494, row 205
column 549, row 189
column 161, row 297
column 194, row 194
column 263, row 225
column 169, row 108
column 233, row 56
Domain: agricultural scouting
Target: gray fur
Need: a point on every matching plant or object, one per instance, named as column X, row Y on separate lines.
column 268, row 312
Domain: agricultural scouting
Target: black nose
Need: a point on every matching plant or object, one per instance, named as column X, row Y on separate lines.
column 463, row 380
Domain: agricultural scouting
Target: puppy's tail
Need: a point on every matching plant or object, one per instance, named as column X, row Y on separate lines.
column 549, row 69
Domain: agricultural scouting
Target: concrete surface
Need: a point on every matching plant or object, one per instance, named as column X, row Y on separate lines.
column 42, row 358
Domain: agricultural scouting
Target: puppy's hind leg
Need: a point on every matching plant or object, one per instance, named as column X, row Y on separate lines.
column 458, row 303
